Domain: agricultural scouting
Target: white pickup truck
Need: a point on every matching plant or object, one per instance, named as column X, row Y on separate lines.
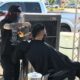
column 29, row 6
column 70, row 21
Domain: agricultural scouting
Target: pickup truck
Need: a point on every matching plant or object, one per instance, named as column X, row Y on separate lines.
column 29, row 6
column 36, row 6
column 70, row 21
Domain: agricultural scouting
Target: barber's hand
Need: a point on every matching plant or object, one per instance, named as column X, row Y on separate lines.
column 21, row 34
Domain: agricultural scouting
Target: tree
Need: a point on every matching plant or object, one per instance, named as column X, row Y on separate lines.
column 72, row 1
column 51, row 1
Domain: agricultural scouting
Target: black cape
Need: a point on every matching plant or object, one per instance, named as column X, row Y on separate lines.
column 45, row 58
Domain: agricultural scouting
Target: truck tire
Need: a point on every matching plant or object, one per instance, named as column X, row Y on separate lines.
column 65, row 28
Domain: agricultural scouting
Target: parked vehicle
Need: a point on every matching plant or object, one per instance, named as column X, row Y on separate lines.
column 71, row 5
column 36, row 6
column 29, row 6
column 70, row 21
column 52, row 6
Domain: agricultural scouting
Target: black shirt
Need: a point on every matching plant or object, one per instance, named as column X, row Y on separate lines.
column 6, row 35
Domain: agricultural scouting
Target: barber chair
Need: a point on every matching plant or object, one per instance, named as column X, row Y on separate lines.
column 61, row 75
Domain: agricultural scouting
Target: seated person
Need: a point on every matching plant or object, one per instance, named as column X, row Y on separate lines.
column 45, row 59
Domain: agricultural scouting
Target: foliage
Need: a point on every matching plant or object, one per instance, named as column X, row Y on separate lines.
column 51, row 1
column 72, row 1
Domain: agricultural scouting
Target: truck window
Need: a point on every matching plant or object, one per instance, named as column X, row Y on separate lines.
column 32, row 7
column 6, row 6
column 26, row 6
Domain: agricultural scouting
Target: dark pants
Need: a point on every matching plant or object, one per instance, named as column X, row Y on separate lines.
column 77, row 68
column 61, row 75
column 69, row 73
column 10, row 71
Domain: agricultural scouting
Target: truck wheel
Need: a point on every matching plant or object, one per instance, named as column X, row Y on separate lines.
column 65, row 29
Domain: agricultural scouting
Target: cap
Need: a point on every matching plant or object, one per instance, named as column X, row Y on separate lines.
column 14, row 8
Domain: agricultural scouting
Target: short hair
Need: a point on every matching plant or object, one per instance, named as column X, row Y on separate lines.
column 14, row 8
column 36, row 28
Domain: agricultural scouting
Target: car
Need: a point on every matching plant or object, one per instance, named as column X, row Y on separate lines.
column 55, row 6
column 72, row 5
column 52, row 6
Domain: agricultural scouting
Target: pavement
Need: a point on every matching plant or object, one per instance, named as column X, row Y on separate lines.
column 1, row 70
column 1, row 73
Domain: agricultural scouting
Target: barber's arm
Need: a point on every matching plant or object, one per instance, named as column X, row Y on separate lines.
column 16, row 25
column 7, row 27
